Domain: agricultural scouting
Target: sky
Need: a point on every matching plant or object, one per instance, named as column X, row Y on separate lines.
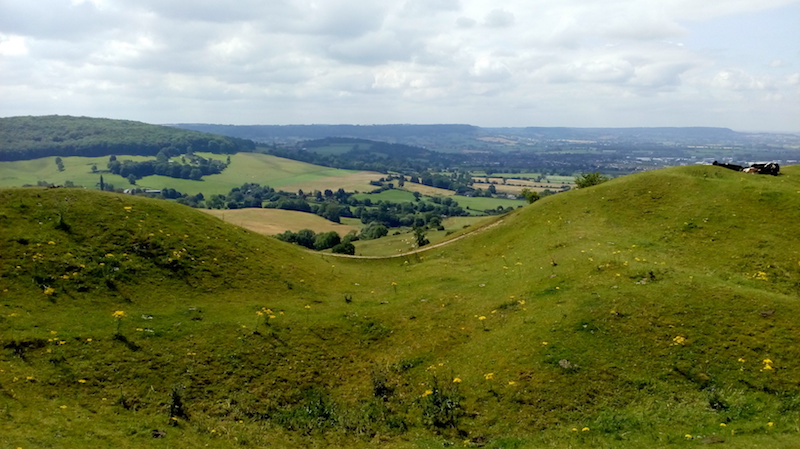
column 576, row 63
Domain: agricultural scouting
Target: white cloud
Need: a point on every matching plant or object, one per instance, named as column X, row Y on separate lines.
column 529, row 62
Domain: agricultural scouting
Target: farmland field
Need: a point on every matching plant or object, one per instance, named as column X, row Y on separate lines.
column 475, row 205
column 275, row 221
column 278, row 173
column 391, row 195
column 427, row 190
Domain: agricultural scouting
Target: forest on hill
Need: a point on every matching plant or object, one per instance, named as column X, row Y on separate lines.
column 23, row 138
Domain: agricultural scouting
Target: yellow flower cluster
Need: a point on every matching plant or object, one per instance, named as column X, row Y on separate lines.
column 767, row 365
column 265, row 311
column 679, row 340
column 119, row 314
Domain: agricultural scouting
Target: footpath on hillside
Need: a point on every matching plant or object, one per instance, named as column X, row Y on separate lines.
column 418, row 250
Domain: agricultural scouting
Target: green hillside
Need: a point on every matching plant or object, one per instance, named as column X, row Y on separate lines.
column 23, row 138
column 654, row 310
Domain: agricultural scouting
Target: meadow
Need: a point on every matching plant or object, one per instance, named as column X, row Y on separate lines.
column 278, row 173
column 654, row 310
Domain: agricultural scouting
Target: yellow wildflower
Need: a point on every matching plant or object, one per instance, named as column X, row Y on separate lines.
column 119, row 314
column 585, row 429
column 49, row 291
column 481, row 317
column 427, row 393
column 457, row 380
column 128, row 207
column 82, row 381
column 488, row 376
column 722, row 424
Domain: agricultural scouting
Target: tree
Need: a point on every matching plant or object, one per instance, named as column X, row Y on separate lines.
column 419, row 235
column 344, row 248
column 531, row 196
column 59, row 163
column 374, row 230
column 326, row 240
column 590, row 179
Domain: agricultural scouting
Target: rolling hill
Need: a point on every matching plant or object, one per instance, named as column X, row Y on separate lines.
column 24, row 138
column 654, row 310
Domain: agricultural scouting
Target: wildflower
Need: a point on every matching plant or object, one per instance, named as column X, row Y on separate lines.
column 119, row 314
column 81, row 381
column 770, row 424
column 89, row 339
column 521, row 302
column 457, row 380
column 128, row 208
column 49, row 291
column 62, row 407
column 307, row 306
column 687, row 436
column 722, row 424
column 544, row 343
column 511, row 382
column 51, row 242
column 481, row 317
column 741, row 360
column 427, row 393
column 488, row 376
column 585, row 429
column 679, row 340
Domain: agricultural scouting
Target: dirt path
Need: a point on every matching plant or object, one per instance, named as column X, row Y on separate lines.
column 419, row 250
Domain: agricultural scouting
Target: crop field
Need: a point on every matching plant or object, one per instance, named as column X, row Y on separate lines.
column 557, row 179
column 427, row 190
column 278, row 173
column 276, row 221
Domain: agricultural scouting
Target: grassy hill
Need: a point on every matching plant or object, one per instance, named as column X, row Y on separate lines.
column 655, row 310
column 24, row 138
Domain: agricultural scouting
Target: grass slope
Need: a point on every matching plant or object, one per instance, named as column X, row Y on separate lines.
column 655, row 310
column 278, row 173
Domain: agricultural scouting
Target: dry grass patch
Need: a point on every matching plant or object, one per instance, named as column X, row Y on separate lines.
column 427, row 190
column 275, row 221
column 358, row 181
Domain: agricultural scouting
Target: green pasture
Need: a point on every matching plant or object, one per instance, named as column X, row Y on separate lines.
column 527, row 175
column 245, row 167
column 476, row 205
column 389, row 196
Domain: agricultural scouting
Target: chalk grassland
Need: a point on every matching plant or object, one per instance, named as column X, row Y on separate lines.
column 276, row 221
column 405, row 241
column 654, row 310
column 278, row 173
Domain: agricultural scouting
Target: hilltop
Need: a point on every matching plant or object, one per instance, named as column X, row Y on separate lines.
column 654, row 310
